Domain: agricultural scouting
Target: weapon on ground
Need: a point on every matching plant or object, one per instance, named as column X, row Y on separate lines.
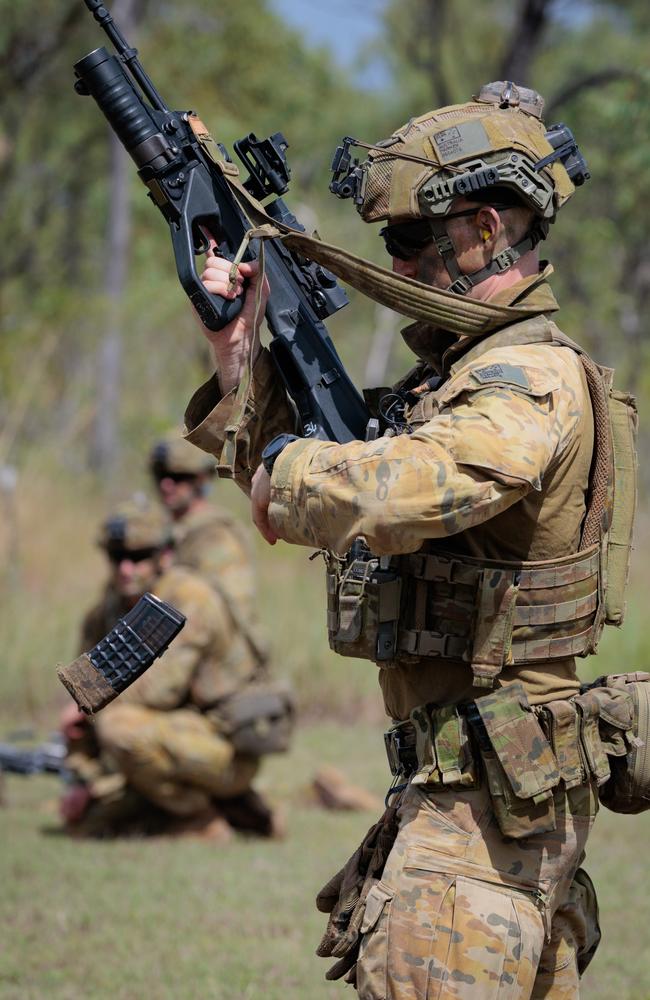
column 47, row 757
column 95, row 678
column 185, row 172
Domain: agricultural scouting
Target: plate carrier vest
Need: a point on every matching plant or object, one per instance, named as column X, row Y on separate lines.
column 400, row 609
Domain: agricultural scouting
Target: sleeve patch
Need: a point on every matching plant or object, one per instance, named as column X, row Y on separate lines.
column 503, row 374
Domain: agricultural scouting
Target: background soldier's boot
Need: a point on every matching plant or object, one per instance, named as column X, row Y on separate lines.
column 209, row 825
column 249, row 813
column 123, row 813
column 334, row 791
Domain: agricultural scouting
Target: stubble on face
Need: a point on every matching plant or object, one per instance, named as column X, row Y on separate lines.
column 431, row 269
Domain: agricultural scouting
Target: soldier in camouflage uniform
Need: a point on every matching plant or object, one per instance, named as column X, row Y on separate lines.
column 206, row 537
column 481, row 568
column 159, row 746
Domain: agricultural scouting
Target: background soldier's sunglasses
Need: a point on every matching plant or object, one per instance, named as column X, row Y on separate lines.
column 176, row 477
column 117, row 556
column 406, row 240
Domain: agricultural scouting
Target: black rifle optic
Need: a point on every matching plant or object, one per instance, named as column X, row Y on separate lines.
column 189, row 189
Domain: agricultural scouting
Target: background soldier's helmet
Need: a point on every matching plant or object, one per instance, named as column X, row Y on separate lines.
column 496, row 140
column 172, row 454
column 135, row 526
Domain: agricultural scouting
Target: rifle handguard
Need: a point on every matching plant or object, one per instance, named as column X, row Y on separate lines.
column 95, row 678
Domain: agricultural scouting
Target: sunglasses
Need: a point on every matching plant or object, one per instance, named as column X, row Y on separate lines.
column 176, row 477
column 117, row 556
column 406, row 240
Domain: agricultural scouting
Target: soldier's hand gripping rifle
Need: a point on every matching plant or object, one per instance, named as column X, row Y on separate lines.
column 190, row 179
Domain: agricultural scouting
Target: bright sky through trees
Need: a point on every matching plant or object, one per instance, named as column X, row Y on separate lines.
column 344, row 26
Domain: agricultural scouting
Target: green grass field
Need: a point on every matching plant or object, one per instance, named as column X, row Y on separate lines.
column 181, row 920
column 186, row 920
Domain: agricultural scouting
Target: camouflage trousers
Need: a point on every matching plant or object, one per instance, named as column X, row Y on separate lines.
column 460, row 912
column 174, row 759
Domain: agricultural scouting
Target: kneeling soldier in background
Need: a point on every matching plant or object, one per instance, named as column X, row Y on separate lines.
column 168, row 753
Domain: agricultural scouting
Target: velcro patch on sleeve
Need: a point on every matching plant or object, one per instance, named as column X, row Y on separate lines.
column 501, row 373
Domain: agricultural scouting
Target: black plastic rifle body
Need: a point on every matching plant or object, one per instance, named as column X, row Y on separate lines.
column 172, row 151
column 49, row 757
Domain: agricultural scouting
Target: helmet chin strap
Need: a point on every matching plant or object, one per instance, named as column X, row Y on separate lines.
column 462, row 283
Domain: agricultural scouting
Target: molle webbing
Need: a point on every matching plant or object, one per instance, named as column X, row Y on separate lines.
column 491, row 614
column 601, row 477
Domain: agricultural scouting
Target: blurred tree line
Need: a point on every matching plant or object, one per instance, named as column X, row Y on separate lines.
column 97, row 347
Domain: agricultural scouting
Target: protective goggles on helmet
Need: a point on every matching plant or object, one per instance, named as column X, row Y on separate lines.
column 406, row 240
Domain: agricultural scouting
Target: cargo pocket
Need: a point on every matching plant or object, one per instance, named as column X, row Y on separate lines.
column 459, row 929
column 495, row 940
column 373, row 952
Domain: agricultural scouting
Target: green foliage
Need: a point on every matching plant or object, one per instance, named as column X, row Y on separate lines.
column 243, row 70
column 590, row 63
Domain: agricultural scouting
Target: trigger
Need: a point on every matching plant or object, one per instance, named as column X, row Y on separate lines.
column 201, row 241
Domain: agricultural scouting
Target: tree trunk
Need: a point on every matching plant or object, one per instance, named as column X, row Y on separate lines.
column 526, row 38
column 106, row 439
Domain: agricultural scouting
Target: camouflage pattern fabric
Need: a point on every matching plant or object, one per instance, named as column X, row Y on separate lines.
column 207, row 662
column 489, row 444
column 160, row 735
column 99, row 620
column 497, row 467
column 214, row 545
column 461, row 913
column 498, row 464
column 174, row 759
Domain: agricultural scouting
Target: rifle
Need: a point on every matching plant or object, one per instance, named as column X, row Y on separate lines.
column 47, row 757
column 185, row 172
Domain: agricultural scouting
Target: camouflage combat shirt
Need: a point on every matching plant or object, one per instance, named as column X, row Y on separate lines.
column 496, row 467
column 211, row 542
column 207, row 661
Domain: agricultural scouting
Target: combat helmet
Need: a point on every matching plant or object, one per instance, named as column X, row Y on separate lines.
column 494, row 149
column 135, row 526
column 173, row 455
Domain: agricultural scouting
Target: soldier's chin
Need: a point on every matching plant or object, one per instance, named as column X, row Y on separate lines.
column 132, row 590
column 177, row 505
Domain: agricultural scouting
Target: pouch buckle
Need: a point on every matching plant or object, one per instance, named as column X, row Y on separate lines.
column 398, row 753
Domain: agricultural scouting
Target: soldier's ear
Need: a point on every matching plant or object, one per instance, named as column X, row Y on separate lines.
column 489, row 222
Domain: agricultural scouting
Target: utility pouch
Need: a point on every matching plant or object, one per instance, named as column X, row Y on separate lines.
column 596, row 762
column 520, row 766
column 628, row 787
column 562, row 723
column 363, row 605
column 258, row 720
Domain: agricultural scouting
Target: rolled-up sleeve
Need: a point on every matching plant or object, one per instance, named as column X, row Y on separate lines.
column 236, row 427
